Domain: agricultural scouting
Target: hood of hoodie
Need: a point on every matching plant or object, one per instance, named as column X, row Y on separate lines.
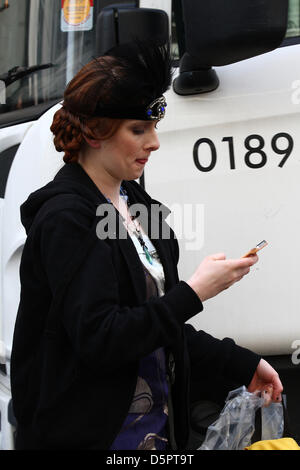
column 71, row 180
column 73, row 183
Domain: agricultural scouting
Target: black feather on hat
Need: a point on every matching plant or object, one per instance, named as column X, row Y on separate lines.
column 138, row 75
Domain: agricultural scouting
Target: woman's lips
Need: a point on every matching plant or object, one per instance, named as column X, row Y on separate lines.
column 142, row 161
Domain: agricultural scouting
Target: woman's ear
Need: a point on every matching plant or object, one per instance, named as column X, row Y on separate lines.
column 95, row 144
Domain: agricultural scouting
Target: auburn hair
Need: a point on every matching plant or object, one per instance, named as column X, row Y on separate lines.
column 75, row 120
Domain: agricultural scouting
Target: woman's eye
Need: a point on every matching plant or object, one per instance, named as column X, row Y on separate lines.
column 138, row 131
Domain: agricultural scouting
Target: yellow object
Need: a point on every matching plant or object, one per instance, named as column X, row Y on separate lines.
column 76, row 11
column 286, row 443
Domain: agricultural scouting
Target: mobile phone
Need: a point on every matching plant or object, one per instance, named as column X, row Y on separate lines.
column 258, row 247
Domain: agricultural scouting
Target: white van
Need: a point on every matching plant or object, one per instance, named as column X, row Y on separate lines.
column 227, row 165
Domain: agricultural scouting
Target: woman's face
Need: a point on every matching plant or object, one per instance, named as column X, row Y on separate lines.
column 125, row 154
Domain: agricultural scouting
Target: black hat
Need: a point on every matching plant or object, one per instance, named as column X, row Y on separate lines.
column 141, row 73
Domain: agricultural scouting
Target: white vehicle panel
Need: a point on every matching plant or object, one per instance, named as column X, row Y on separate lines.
column 35, row 164
column 239, row 205
column 9, row 137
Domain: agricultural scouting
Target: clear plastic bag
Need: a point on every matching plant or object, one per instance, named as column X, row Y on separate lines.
column 272, row 421
column 236, row 424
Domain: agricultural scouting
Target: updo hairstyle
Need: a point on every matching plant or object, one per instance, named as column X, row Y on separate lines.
column 75, row 119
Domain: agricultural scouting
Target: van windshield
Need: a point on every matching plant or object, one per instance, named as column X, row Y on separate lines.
column 43, row 44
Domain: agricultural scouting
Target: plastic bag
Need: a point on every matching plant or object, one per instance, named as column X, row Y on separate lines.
column 272, row 421
column 236, row 424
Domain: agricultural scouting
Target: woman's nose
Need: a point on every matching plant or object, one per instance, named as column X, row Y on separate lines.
column 152, row 143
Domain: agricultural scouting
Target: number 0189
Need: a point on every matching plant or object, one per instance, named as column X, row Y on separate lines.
column 255, row 156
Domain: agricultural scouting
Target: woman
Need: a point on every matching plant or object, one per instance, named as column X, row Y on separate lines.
column 101, row 353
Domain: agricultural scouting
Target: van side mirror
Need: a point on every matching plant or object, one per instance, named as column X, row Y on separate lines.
column 218, row 34
column 118, row 24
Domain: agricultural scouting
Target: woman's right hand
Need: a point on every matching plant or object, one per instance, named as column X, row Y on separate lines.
column 216, row 274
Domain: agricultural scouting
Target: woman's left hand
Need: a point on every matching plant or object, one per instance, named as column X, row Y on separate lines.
column 267, row 381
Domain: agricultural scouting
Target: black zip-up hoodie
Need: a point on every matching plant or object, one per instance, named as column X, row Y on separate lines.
column 83, row 323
